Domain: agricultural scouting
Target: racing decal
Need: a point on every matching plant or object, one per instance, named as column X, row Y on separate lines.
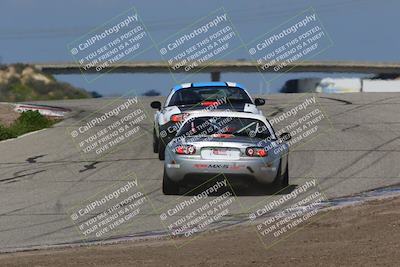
column 219, row 166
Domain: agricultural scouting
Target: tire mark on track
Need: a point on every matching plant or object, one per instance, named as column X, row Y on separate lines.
column 337, row 99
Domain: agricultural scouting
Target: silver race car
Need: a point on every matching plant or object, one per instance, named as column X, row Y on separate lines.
column 239, row 145
column 196, row 97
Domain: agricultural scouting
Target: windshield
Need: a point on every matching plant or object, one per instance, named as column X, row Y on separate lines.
column 192, row 96
column 219, row 126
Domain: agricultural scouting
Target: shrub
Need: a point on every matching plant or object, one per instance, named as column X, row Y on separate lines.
column 29, row 121
column 6, row 133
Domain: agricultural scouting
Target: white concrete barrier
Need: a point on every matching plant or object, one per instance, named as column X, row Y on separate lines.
column 339, row 85
column 381, row 86
column 48, row 111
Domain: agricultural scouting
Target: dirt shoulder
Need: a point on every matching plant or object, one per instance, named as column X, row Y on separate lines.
column 7, row 114
column 365, row 235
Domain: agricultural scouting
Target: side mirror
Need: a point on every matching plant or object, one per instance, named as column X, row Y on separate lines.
column 259, row 101
column 285, row 137
column 156, row 105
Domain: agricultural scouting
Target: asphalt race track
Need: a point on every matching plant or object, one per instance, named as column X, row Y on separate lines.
column 42, row 175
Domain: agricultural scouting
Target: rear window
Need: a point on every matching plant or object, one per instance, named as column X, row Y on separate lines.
column 192, row 96
column 225, row 125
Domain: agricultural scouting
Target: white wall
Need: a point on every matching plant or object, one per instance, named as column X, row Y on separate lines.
column 346, row 85
column 339, row 85
column 381, row 86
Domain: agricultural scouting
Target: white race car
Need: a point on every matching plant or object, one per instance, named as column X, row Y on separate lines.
column 242, row 146
column 189, row 98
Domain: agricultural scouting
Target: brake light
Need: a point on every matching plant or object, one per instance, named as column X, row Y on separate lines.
column 256, row 152
column 178, row 117
column 185, row 150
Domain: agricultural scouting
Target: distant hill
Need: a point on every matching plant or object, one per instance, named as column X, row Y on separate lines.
column 20, row 82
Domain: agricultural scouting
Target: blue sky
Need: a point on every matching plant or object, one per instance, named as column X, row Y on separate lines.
column 39, row 31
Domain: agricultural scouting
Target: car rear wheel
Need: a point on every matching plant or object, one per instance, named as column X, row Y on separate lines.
column 161, row 150
column 282, row 180
column 155, row 141
column 285, row 178
column 169, row 187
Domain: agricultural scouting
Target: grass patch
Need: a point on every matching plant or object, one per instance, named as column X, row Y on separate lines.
column 29, row 121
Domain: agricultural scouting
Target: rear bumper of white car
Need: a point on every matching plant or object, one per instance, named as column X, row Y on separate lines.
column 186, row 169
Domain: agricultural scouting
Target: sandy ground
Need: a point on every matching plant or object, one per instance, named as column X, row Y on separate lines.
column 7, row 114
column 364, row 235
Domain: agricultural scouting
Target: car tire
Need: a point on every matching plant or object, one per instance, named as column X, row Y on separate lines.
column 169, row 187
column 161, row 150
column 285, row 176
column 282, row 180
column 155, row 141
